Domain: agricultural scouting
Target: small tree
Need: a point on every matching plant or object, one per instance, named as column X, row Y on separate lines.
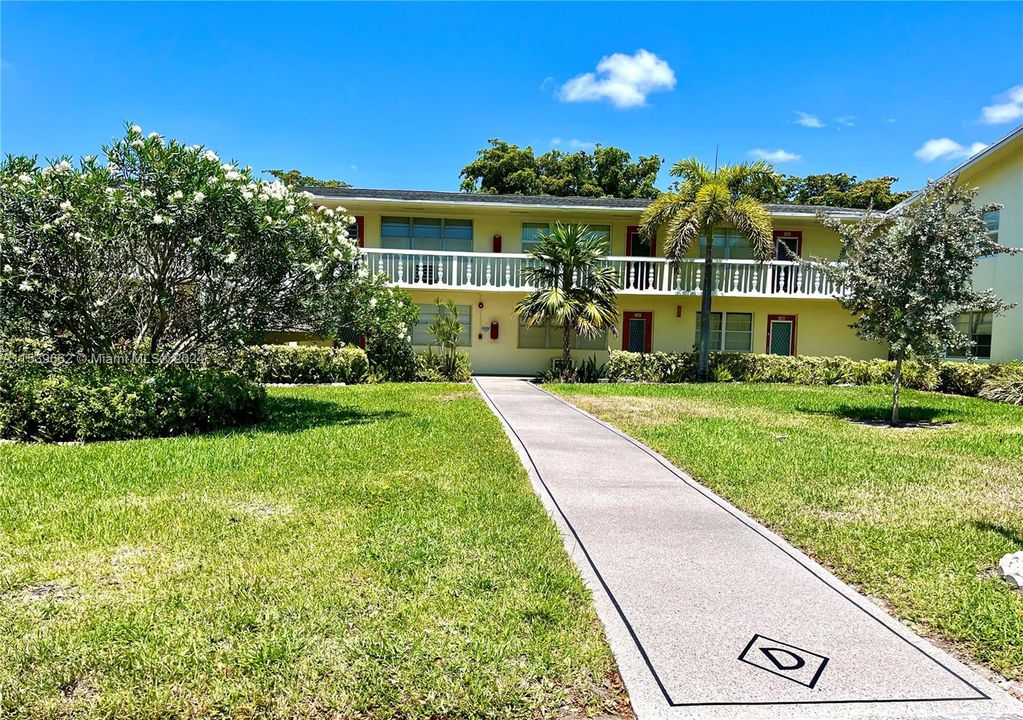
column 574, row 288
column 384, row 315
column 906, row 277
column 446, row 330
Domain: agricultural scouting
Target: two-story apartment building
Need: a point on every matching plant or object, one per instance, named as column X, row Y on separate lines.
column 470, row 248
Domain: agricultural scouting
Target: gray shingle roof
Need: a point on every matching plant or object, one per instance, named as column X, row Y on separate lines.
column 552, row 201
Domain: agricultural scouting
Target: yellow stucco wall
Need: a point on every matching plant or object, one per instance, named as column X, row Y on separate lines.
column 822, row 328
column 1000, row 180
column 818, row 241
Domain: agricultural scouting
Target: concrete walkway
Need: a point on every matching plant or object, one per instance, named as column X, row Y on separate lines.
column 709, row 614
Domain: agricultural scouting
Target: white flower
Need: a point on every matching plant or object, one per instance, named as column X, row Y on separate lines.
column 66, row 205
column 8, row 268
column 137, row 143
column 372, row 302
column 211, row 156
column 135, row 129
column 148, row 193
column 25, row 286
column 247, row 194
column 227, row 166
column 25, row 178
column 111, row 168
column 154, row 134
column 212, row 181
column 232, row 175
column 231, row 257
column 198, row 197
column 158, row 219
column 289, row 208
column 177, row 195
column 267, row 219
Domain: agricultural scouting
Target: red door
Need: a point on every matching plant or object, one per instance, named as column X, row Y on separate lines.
column 638, row 275
column 637, row 331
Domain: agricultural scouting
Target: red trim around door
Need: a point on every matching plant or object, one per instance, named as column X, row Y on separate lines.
column 793, row 319
column 360, row 223
column 797, row 235
column 648, row 338
column 634, row 230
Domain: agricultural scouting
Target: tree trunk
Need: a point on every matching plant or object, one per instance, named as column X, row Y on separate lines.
column 566, row 350
column 703, row 372
column 896, row 383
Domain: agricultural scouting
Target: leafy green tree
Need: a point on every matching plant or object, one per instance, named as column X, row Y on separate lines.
column 295, row 179
column 503, row 168
column 446, row 330
column 906, row 277
column 829, row 189
column 574, row 288
column 703, row 201
column 162, row 250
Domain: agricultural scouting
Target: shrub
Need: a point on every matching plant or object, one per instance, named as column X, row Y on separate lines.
column 300, row 364
column 432, row 367
column 1006, row 387
column 951, row 377
column 88, row 402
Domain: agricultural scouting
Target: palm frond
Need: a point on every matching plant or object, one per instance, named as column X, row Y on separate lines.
column 751, row 219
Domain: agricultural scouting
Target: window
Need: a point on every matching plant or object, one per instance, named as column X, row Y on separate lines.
column 428, row 313
column 977, row 327
column 729, row 332
column 992, row 219
column 426, row 234
column 728, row 245
column 531, row 234
column 548, row 336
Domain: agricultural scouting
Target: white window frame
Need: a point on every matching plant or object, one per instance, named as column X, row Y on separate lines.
column 411, row 220
column 427, row 312
column 719, row 344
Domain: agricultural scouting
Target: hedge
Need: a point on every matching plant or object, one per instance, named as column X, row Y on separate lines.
column 90, row 402
column 300, row 364
column 433, row 367
column 957, row 378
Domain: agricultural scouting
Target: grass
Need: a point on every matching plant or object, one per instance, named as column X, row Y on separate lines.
column 371, row 551
column 915, row 517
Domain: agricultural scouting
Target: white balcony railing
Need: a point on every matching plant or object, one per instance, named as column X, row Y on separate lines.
column 503, row 271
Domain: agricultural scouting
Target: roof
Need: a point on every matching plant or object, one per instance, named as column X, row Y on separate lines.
column 532, row 201
column 984, row 154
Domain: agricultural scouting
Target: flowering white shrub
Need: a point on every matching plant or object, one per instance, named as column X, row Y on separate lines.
column 161, row 248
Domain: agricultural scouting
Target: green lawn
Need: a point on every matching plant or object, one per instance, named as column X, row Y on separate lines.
column 371, row 551
column 915, row 517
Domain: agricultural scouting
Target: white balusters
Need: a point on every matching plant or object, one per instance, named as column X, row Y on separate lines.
column 489, row 273
column 507, row 274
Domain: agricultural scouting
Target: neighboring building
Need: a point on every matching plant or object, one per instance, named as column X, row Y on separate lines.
column 998, row 173
column 469, row 248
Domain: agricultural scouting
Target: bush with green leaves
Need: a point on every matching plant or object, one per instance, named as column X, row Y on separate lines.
column 434, row 367
column 160, row 248
column 94, row 402
column 957, row 378
column 300, row 364
column 1005, row 387
column 384, row 316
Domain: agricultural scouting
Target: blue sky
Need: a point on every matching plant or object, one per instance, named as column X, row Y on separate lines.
column 402, row 95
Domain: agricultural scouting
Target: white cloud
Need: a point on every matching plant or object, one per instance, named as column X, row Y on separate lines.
column 808, row 120
column 547, row 82
column 1009, row 107
column 775, row 156
column 625, row 80
column 354, row 167
column 845, row 120
column 555, row 142
column 946, row 149
column 574, row 143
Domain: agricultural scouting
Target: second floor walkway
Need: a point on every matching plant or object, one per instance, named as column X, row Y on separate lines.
column 637, row 275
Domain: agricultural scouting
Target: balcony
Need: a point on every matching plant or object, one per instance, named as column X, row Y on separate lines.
column 647, row 276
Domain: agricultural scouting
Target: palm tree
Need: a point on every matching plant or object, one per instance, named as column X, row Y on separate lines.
column 703, row 201
column 574, row 287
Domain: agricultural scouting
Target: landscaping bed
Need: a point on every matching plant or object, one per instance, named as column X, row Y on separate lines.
column 917, row 517
column 368, row 551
